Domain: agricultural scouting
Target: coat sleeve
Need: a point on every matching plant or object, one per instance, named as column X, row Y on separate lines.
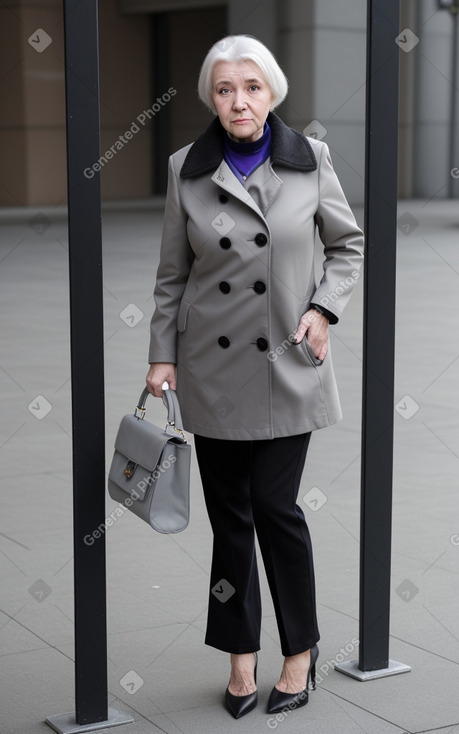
column 342, row 239
column 176, row 258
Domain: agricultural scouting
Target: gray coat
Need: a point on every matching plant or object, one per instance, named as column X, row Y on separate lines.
column 236, row 273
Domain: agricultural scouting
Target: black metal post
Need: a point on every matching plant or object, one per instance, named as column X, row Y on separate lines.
column 379, row 326
column 87, row 360
column 87, row 372
column 378, row 342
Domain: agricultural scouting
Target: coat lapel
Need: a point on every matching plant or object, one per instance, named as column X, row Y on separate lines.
column 225, row 178
column 263, row 185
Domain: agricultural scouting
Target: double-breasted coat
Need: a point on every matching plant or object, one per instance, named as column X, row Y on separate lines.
column 236, row 273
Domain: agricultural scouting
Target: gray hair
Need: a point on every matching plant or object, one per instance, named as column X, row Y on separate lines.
column 242, row 48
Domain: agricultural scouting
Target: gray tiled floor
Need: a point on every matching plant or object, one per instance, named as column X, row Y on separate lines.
column 157, row 585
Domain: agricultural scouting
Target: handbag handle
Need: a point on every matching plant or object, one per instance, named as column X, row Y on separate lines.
column 170, row 400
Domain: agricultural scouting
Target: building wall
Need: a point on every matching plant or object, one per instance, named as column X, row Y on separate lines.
column 32, row 109
column 125, row 92
column 320, row 44
column 433, row 159
column 192, row 33
column 323, row 52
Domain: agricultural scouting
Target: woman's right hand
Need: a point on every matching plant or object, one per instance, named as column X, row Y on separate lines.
column 158, row 373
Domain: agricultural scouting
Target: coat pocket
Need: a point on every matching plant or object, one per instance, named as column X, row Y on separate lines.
column 187, row 299
column 304, row 343
column 310, row 353
column 183, row 315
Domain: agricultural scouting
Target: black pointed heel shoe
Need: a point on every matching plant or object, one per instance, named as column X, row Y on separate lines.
column 279, row 701
column 240, row 705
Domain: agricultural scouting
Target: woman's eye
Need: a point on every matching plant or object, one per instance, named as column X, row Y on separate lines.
column 224, row 90
column 254, row 88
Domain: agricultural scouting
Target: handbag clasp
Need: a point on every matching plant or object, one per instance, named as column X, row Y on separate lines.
column 130, row 468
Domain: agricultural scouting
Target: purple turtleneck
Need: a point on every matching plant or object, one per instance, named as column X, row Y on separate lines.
column 244, row 158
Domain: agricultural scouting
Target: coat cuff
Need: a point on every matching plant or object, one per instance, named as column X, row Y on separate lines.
column 333, row 319
column 160, row 353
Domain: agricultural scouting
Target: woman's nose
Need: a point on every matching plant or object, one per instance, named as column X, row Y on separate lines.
column 239, row 102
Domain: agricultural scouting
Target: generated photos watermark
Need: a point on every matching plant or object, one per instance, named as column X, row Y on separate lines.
column 40, row 223
column 223, row 590
column 124, row 139
column 321, row 673
column 315, row 130
column 342, row 287
column 274, row 354
column 131, row 315
column 406, row 223
column 40, row 40
column 39, row 590
column 40, row 407
column 131, row 682
column 407, row 407
column 223, row 223
column 407, row 40
column 315, row 498
column 407, row 590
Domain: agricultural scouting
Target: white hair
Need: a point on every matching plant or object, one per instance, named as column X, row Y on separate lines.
column 242, row 48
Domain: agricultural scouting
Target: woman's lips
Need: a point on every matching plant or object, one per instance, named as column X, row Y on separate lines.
column 241, row 122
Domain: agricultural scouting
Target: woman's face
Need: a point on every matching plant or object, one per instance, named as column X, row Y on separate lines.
column 242, row 98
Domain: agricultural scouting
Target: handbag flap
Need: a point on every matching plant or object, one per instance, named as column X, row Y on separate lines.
column 141, row 441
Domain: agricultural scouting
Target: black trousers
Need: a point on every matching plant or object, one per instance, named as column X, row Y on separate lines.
column 248, row 486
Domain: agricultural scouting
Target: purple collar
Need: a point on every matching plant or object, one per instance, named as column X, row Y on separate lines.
column 244, row 158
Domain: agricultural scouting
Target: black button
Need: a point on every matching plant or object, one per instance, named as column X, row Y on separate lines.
column 261, row 239
column 225, row 242
column 259, row 287
column 224, row 286
column 262, row 344
column 223, row 198
column 224, row 342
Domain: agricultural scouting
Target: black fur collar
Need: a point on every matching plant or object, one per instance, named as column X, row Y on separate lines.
column 290, row 149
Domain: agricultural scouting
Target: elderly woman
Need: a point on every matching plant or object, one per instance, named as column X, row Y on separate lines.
column 240, row 330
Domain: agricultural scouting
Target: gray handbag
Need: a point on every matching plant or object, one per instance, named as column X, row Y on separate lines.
column 150, row 469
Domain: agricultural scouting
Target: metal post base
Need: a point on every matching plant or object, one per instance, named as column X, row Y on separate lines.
column 66, row 723
column 352, row 669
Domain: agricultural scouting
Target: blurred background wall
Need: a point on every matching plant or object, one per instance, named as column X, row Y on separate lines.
column 148, row 47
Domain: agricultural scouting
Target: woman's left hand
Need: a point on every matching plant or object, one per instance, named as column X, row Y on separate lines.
column 314, row 326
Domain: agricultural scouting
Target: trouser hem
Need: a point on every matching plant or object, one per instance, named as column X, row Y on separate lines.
column 288, row 652
column 237, row 649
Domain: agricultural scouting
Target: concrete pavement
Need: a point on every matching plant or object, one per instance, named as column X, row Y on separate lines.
column 157, row 585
